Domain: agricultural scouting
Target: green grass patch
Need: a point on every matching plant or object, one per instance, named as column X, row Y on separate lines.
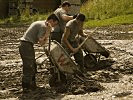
column 24, row 19
column 97, row 12
column 104, row 9
column 32, row 18
column 123, row 19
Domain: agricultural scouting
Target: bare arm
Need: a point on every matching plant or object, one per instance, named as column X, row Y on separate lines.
column 82, row 33
column 65, row 40
column 43, row 40
column 66, row 17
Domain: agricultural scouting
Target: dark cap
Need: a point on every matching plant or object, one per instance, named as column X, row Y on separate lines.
column 53, row 17
column 65, row 3
column 81, row 17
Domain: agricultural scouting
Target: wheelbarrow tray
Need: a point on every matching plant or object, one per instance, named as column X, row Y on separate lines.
column 92, row 46
column 61, row 58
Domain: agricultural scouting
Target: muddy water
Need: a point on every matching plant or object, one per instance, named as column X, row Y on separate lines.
column 114, row 75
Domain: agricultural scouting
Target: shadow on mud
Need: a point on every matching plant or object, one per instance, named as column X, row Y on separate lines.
column 102, row 64
column 41, row 93
column 103, row 72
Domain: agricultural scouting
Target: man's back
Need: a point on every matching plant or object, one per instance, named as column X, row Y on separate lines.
column 35, row 31
column 74, row 29
column 59, row 12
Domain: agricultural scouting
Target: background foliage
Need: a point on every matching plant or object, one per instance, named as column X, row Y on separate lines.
column 103, row 9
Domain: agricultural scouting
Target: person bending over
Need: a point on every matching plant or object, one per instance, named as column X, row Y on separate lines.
column 74, row 29
column 38, row 32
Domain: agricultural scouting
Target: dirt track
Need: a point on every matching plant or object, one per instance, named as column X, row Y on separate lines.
column 115, row 77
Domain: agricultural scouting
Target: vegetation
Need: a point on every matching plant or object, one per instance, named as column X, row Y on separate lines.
column 102, row 9
column 118, row 20
column 24, row 18
column 108, row 12
column 98, row 13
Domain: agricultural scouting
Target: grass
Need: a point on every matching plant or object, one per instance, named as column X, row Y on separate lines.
column 97, row 12
column 24, row 18
column 118, row 20
column 104, row 9
column 30, row 19
column 107, row 12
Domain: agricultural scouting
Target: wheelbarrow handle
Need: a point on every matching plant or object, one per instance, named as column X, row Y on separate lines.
column 84, row 41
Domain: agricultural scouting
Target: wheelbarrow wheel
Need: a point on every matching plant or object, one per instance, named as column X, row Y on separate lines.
column 90, row 61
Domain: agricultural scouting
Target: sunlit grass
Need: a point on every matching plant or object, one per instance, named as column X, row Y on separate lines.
column 124, row 19
column 97, row 12
column 104, row 9
column 24, row 18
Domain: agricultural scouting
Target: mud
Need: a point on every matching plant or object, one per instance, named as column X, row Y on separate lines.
column 112, row 78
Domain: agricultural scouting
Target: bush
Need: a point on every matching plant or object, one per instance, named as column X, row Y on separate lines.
column 103, row 9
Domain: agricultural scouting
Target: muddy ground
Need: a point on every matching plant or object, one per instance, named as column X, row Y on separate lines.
column 113, row 76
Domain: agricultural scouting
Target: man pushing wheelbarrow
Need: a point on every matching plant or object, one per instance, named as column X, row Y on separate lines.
column 69, row 39
column 60, row 55
column 74, row 40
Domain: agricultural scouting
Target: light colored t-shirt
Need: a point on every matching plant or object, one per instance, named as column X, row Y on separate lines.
column 60, row 12
column 34, row 32
column 74, row 29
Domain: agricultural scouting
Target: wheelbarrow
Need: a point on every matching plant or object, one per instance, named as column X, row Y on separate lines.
column 93, row 51
column 63, row 64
